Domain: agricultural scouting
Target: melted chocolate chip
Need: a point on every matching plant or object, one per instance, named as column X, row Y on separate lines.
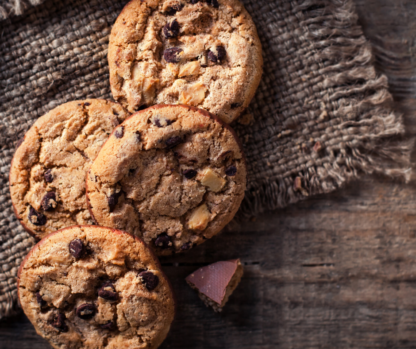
column 172, row 55
column 76, row 248
column 49, row 201
column 57, row 320
column 41, row 301
column 175, row 8
column 163, row 241
column 119, row 133
column 138, row 136
column 113, row 200
column 109, row 326
column 189, row 174
column 173, row 141
column 48, row 176
column 149, row 279
column 218, row 55
column 171, row 29
column 231, row 171
column 36, row 218
column 108, row 292
column 186, row 246
column 86, row 311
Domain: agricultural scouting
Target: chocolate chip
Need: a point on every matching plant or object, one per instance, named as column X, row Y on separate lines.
column 163, row 241
column 149, row 279
column 57, row 320
column 86, row 311
column 189, row 174
column 175, row 8
column 235, row 105
column 113, row 200
column 213, row 3
column 36, row 218
column 186, row 246
column 49, row 201
column 162, row 122
column 138, row 136
column 217, row 55
column 172, row 55
column 173, row 141
column 41, row 301
column 108, row 292
column 108, row 326
column 119, row 133
column 231, row 171
column 171, row 29
column 87, row 104
column 76, row 248
column 48, row 176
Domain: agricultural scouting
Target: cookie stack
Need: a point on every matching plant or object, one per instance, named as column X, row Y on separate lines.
column 173, row 174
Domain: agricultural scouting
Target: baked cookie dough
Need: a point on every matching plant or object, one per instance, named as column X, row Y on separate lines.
column 47, row 175
column 95, row 287
column 203, row 53
column 172, row 175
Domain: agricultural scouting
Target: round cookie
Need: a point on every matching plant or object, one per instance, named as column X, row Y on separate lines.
column 203, row 53
column 95, row 287
column 47, row 175
column 172, row 175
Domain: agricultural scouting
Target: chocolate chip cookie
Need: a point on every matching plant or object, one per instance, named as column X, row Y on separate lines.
column 94, row 287
column 173, row 175
column 47, row 176
column 203, row 53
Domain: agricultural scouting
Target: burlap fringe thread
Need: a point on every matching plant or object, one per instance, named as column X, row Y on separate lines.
column 322, row 114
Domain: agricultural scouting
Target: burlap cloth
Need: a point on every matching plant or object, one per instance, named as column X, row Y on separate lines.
column 321, row 114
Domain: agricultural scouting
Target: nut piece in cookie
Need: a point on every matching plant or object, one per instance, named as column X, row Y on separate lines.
column 216, row 282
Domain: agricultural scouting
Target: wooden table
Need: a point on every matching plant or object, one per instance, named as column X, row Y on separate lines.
column 337, row 271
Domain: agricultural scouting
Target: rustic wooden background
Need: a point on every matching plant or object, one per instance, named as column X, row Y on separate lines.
column 337, row 271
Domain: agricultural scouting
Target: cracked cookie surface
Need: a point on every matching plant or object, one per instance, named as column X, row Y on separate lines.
column 172, row 175
column 205, row 54
column 95, row 287
column 47, row 175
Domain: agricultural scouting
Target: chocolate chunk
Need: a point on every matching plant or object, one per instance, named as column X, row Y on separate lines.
column 172, row 55
column 138, row 136
column 163, row 241
column 76, row 248
column 48, row 176
column 41, row 301
column 49, row 201
column 173, row 141
column 186, row 246
column 231, row 171
column 109, row 326
column 171, row 29
column 86, row 311
column 216, row 281
column 119, row 133
column 113, row 200
column 189, row 174
column 173, row 9
column 149, row 279
column 108, row 292
column 36, row 218
column 213, row 3
column 57, row 320
column 217, row 55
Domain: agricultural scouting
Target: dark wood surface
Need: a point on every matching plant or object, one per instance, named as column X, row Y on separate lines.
column 336, row 271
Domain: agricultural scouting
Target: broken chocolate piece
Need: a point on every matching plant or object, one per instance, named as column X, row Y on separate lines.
column 172, row 55
column 49, row 201
column 36, row 218
column 149, row 279
column 217, row 54
column 216, row 282
column 163, row 241
column 113, row 200
column 108, row 292
column 57, row 320
column 119, row 132
column 76, row 248
column 231, row 171
column 171, row 29
column 48, row 176
column 173, row 9
column 86, row 311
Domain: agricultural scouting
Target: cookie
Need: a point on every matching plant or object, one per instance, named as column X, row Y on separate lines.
column 216, row 282
column 47, row 175
column 172, row 175
column 205, row 54
column 95, row 287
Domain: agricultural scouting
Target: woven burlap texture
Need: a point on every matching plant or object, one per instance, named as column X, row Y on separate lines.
column 320, row 118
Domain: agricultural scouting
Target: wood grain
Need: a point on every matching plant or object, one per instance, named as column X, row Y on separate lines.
column 337, row 271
